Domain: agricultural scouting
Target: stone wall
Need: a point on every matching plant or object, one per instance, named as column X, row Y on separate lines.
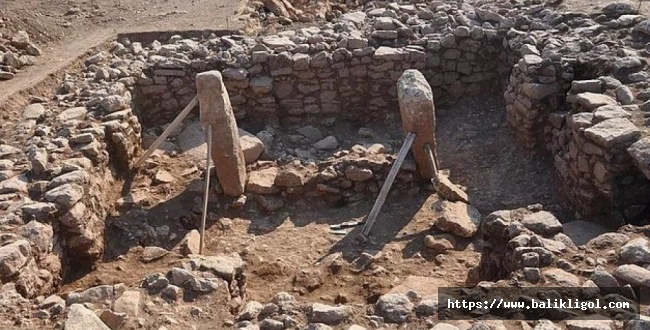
column 298, row 78
column 586, row 127
column 296, row 83
column 54, row 220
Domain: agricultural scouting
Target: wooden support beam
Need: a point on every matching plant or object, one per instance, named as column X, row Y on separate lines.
column 433, row 163
column 381, row 198
column 206, row 191
column 168, row 131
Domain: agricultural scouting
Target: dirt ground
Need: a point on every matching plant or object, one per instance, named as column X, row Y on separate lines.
column 66, row 29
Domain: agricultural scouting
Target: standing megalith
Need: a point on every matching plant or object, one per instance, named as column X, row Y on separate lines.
column 418, row 116
column 226, row 152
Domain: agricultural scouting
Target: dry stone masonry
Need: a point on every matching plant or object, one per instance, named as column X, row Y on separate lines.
column 571, row 93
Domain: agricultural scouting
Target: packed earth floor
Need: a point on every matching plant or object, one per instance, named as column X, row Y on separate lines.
column 541, row 131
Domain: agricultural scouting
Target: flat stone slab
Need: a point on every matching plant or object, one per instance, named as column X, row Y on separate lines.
column 612, row 132
column 275, row 42
column 609, row 112
column 388, row 54
column 591, row 101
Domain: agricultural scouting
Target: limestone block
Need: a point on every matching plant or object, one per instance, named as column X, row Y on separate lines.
column 418, row 116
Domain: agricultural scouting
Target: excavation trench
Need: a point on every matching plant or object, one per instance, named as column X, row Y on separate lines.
column 486, row 139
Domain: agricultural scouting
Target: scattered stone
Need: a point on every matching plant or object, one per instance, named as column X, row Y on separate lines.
column 327, row 143
column 163, row 176
column 66, row 195
column 34, row 111
column 636, row 251
column 251, row 310
column 112, row 319
column 444, row 326
column 262, row 181
column 81, row 318
column 151, row 253
column 329, row 314
column 251, row 146
column 449, row 191
column 440, row 243
column 607, row 241
column 543, row 223
column 362, row 262
column 190, row 244
column 590, row 324
column 13, row 257
column 311, row 133
column 603, row 279
column 53, row 303
column 101, row 294
column 633, row 275
column 172, row 293
column 394, row 307
column 128, row 303
column 561, row 277
column 457, row 218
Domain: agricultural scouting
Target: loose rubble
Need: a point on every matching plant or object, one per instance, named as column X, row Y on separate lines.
column 568, row 89
column 17, row 52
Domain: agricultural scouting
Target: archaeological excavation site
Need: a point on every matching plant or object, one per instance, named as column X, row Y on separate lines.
column 329, row 165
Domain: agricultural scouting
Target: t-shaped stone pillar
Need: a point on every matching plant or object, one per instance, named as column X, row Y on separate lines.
column 226, row 151
column 418, row 116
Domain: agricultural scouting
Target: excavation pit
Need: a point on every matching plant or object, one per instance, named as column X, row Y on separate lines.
column 320, row 113
column 534, row 131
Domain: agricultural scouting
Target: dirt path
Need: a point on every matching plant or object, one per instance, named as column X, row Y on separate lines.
column 66, row 29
